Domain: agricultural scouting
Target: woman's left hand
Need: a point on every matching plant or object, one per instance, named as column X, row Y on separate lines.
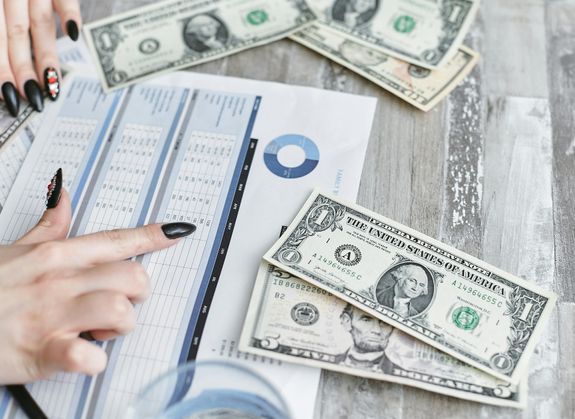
column 28, row 26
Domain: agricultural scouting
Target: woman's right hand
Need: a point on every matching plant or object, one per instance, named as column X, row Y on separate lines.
column 53, row 288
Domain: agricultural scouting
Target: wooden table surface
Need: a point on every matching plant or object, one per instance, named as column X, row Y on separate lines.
column 491, row 171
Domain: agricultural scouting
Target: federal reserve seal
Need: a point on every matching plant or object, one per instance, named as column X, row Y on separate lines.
column 465, row 318
column 348, row 254
column 305, row 314
column 149, row 46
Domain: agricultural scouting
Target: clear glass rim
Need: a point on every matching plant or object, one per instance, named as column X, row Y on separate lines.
column 192, row 365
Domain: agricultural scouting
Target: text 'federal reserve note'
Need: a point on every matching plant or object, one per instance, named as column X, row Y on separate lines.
column 467, row 308
column 293, row 321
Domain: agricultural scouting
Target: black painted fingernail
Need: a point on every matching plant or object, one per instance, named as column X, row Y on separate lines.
column 177, row 230
column 34, row 95
column 54, row 190
column 72, row 29
column 87, row 336
column 11, row 98
column 52, row 83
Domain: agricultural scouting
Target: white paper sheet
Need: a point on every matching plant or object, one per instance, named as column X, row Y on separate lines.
column 178, row 148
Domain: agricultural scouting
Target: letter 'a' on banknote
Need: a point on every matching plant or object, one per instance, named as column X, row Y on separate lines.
column 173, row 34
column 291, row 320
column 461, row 305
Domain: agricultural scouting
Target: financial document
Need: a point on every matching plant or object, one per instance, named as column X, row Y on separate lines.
column 235, row 157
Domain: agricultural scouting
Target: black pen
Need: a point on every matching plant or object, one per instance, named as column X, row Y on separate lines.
column 26, row 402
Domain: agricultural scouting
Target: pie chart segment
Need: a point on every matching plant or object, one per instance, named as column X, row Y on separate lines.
column 304, row 143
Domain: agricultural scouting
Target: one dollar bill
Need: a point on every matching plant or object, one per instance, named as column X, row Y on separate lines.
column 173, row 34
column 421, row 87
column 465, row 307
column 293, row 321
column 422, row 32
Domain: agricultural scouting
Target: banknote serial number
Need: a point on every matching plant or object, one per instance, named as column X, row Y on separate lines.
column 335, row 265
column 298, row 286
column 477, row 293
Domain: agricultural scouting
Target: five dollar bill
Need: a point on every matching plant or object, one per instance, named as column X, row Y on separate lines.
column 293, row 321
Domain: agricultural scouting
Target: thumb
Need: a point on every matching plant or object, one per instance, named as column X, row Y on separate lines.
column 55, row 222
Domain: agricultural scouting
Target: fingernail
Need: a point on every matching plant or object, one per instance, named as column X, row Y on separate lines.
column 34, row 95
column 52, row 83
column 54, row 190
column 72, row 29
column 87, row 336
column 177, row 230
column 11, row 98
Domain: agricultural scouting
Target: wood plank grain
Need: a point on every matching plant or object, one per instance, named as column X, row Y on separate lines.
column 566, row 323
column 461, row 224
column 93, row 10
column 518, row 222
column 514, row 53
column 561, row 56
column 561, row 41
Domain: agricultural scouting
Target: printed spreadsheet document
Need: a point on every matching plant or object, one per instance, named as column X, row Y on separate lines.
column 184, row 147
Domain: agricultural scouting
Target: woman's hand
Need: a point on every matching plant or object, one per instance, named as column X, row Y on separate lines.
column 27, row 23
column 53, row 288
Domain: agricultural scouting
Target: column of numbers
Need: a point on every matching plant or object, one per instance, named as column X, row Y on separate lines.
column 124, row 180
column 194, row 198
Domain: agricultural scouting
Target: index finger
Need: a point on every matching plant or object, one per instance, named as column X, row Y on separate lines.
column 111, row 245
column 69, row 12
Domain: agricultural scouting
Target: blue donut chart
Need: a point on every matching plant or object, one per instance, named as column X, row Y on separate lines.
column 308, row 146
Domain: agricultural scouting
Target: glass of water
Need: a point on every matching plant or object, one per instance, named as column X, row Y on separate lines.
column 207, row 390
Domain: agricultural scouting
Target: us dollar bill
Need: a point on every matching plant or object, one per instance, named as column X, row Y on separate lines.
column 461, row 305
column 421, row 87
column 293, row 321
column 174, row 34
column 422, row 32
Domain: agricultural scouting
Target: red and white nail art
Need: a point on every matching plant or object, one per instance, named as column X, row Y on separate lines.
column 54, row 190
column 52, row 83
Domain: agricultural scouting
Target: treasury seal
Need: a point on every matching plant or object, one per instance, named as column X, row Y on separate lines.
column 465, row 318
column 304, row 314
column 348, row 254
